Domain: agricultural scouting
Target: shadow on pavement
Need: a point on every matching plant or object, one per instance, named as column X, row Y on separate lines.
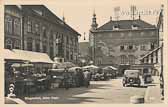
column 142, row 86
column 62, row 96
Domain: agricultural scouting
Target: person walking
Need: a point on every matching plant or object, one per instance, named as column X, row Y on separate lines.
column 86, row 78
column 77, row 78
column 66, row 79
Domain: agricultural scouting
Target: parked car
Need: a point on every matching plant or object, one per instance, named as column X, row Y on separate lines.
column 131, row 77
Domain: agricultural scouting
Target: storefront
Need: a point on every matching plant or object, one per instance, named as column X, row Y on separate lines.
column 25, row 67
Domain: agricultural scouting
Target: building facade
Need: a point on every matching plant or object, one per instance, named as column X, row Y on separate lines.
column 12, row 27
column 42, row 31
column 156, row 56
column 121, row 42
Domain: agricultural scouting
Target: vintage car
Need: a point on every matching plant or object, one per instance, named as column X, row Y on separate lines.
column 131, row 77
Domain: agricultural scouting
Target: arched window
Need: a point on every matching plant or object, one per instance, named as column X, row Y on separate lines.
column 131, row 59
column 123, row 59
column 8, row 24
column 8, row 44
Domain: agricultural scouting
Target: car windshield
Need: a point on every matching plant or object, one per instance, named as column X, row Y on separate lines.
column 132, row 73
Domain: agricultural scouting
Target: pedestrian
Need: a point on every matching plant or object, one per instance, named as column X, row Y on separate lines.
column 81, row 77
column 66, row 79
column 86, row 78
column 77, row 78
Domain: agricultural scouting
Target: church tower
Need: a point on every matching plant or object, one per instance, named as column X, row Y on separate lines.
column 94, row 23
column 94, row 26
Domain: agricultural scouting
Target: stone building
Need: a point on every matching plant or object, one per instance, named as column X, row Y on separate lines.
column 43, row 31
column 121, row 42
column 155, row 56
column 12, row 27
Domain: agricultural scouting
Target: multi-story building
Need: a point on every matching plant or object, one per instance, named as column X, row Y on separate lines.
column 41, row 31
column 12, row 18
column 122, row 42
column 156, row 56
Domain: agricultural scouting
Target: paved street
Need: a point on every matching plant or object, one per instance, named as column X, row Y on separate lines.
column 99, row 92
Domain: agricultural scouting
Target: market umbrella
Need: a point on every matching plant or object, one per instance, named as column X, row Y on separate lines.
column 21, row 65
column 74, row 68
column 91, row 66
column 110, row 67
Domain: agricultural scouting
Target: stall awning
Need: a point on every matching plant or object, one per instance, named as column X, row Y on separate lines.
column 110, row 67
column 10, row 55
column 34, row 57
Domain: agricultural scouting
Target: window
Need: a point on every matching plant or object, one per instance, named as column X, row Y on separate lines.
column 123, row 59
column 116, row 27
column 152, row 46
column 51, row 35
column 17, row 44
column 71, row 56
column 37, row 29
column 130, row 47
column 44, row 32
column 147, row 59
column 99, row 61
column 29, row 26
column 131, row 59
column 143, row 47
column 37, row 47
column 29, row 46
column 151, row 58
column 44, row 49
column 67, row 40
column 67, row 55
column 8, row 25
column 156, row 56
column 8, row 44
column 51, row 52
column 39, row 12
column 17, row 27
column 134, row 26
column 121, row 48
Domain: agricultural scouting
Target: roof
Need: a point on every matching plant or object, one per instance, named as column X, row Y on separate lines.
column 126, row 25
column 84, row 48
column 156, row 49
column 27, row 55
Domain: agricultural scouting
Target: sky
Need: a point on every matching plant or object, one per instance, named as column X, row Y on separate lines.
column 78, row 13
